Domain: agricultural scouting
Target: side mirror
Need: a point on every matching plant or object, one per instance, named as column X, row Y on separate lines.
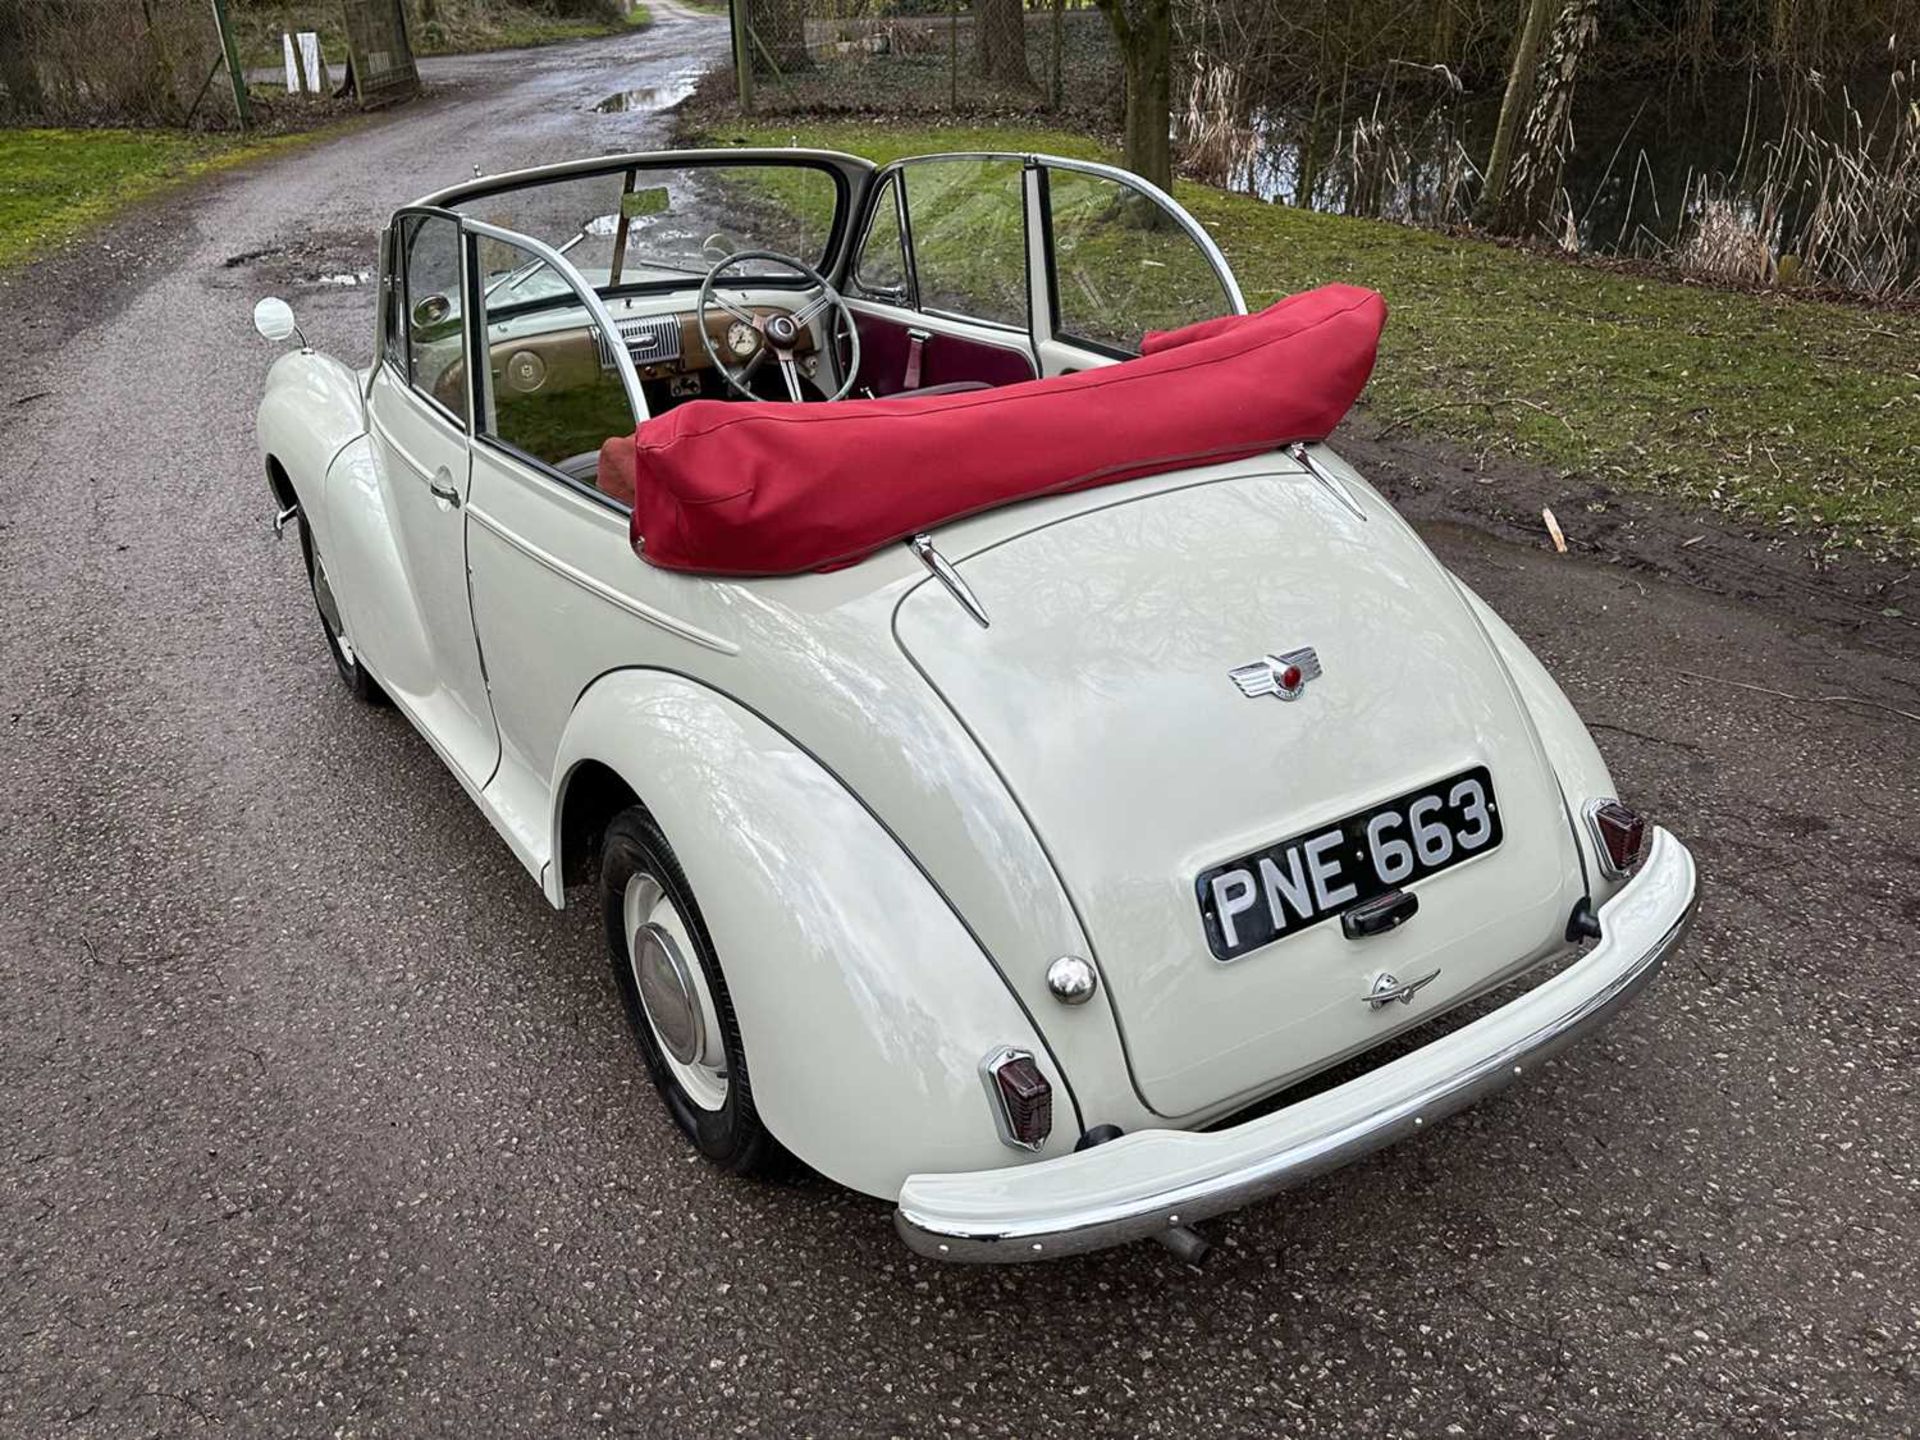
column 273, row 318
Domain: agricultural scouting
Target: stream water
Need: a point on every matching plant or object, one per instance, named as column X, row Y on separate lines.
column 1645, row 155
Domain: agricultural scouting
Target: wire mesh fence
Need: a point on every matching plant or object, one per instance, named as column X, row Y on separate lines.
column 162, row 62
column 981, row 58
column 130, row 62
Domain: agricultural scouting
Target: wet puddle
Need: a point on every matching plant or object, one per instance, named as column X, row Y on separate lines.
column 341, row 277
column 648, row 97
column 620, row 104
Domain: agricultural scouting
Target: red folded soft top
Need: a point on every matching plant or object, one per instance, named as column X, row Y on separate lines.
column 774, row 489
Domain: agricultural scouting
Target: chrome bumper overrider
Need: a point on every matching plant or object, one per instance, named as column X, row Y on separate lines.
column 1152, row 1180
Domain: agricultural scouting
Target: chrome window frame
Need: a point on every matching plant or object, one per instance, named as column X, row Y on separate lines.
column 480, row 369
column 1193, row 229
column 913, row 259
column 1042, row 287
column 906, row 295
column 404, row 364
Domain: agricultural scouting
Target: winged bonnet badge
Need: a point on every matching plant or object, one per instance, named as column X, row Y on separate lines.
column 1282, row 676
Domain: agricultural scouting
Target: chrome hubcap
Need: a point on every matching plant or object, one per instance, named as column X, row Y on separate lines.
column 667, row 992
column 673, row 992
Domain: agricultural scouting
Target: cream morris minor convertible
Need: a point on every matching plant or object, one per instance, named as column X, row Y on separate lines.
column 1013, row 755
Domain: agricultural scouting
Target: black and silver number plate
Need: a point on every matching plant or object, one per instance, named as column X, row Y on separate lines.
column 1281, row 889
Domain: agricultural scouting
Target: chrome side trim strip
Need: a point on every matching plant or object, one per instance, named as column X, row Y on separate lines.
column 635, row 608
column 1145, row 1183
column 413, row 462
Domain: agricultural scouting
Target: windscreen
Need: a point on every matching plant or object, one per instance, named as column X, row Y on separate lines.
column 671, row 224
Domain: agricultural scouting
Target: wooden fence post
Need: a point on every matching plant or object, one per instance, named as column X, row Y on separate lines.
column 743, row 56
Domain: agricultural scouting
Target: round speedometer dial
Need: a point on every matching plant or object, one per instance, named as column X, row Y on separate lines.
column 742, row 339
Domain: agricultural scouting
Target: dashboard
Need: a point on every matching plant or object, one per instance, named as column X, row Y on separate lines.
column 559, row 349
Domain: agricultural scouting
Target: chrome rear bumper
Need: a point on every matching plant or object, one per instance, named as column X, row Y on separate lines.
column 1151, row 1180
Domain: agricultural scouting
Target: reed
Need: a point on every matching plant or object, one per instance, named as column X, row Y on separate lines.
column 1217, row 143
column 1835, row 210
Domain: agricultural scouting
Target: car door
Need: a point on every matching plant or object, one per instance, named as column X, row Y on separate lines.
column 1000, row 267
column 558, row 594
column 420, row 640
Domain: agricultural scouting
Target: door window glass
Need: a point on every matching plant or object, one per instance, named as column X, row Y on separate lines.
column 1122, row 265
column 967, row 219
column 434, row 335
column 881, row 270
column 551, row 390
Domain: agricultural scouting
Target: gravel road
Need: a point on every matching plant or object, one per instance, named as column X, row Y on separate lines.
column 317, row 1121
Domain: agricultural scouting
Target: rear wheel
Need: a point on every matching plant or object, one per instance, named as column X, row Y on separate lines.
column 676, row 999
column 345, row 659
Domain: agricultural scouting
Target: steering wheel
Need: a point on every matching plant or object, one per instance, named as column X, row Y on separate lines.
column 777, row 334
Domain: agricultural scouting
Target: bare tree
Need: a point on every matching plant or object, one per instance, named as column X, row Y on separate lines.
column 1547, row 139
column 1513, row 107
column 1000, row 42
column 1144, row 29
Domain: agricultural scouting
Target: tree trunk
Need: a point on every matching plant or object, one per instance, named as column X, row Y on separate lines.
column 1144, row 29
column 1000, row 42
column 1513, row 106
column 1309, row 176
column 1056, row 48
column 1540, row 156
column 778, row 41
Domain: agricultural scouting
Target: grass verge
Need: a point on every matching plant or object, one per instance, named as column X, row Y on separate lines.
column 1792, row 412
column 55, row 183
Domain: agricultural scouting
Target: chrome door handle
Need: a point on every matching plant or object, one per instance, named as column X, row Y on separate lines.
column 442, row 487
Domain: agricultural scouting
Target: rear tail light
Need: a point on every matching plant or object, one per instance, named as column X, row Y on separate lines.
column 1620, row 834
column 1022, row 1098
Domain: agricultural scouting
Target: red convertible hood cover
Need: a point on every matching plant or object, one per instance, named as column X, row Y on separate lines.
column 738, row 489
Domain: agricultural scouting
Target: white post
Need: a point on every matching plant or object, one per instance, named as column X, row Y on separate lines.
column 311, row 63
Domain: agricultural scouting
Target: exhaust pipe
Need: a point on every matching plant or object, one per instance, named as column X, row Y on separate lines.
column 1188, row 1245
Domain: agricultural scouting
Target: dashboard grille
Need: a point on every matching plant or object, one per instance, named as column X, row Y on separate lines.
column 649, row 340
